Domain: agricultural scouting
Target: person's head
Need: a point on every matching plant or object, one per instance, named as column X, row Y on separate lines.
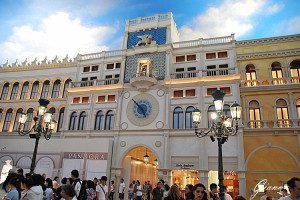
column 20, row 171
column 67, row 191
column 239, row 198
column 44, row 176
column 189, row 188
column 133, row 182
column 167, row 187
column 70, row 181
column 95, row 180
column 64, row 180
column 37, row 179
column 15, row 182
column 74, row 174
column 90, row 184
column 112, row 182
column 284, row 192
column 49, row 183
column 161, row 180
column 55, row 178
column 103, row 180
column 138, row 182
column 122, row 180
column 199, row 192
column 160, row 185
column 294, row 186
column 213, row 188
column 26, row 184
column 174, row 191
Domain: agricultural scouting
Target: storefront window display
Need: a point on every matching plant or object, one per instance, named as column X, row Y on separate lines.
column 184, row 177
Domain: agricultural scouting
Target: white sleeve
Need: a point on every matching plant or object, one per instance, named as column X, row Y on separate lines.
column 77, row 188
column 98, row 188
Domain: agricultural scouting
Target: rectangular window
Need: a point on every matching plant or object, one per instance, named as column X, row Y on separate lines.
column 178, row 93
column 210, row 55
column 222, row 54
column 190, row 93
column 101, row 98
column 191, row 57
column 93, row 78
column 118, row 65
column 111, row 98
column 84, row 79
column 223, row 66
column 85, row 99
column 76, row 100
column 210, row 91
column 226, row 90
column 211, row 70
column 191, row 68
column 180, row 70
column 180, row 58
column 86, row 69
column 110, row 66
column 95, row 68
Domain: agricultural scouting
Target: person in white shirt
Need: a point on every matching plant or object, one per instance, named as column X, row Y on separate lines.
column 227, row 196
column 101, row 189
column 121, row 189
column 294, row 188
column 76, row 181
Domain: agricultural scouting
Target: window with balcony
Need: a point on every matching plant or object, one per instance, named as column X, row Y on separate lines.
column 178, row 118
column 45, row 90
column 254, row 115
column 178, row 93
column 14, row 91
column 109, row 120
column 16, row 122
column 7, row 120
column 66, row 86
column 27, row 125
column 24, row 91
column 282, row 113
column 82, row 121
column 95, row 68
column 223, row 69
column 35, row 90
column 211, row 70
column 56, row 88
column 277, row 76
column 5, row 90
column 188, row 117
column 99, row 120
column 86, row 69
column 250, row 75
column 60, row 119
column 295, row 71
column 73, row 121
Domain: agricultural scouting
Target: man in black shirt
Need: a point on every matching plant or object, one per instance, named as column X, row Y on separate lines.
column 157, row 193
column 214, row 191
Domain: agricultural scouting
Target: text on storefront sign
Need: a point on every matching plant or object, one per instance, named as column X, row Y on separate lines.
column 86, row 155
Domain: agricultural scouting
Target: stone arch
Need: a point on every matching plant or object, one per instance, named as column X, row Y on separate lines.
column 296, row 160
column 45, row 165
column 24, row 162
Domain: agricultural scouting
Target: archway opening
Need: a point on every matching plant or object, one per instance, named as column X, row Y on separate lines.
column 136, row 167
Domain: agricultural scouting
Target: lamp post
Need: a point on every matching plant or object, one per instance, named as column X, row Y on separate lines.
column 43, row 124
column 222, row 127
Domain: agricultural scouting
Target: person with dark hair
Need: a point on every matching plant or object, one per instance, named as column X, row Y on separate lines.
column 20, row 171
column 48, row 193
column 157, row 193
column 294, row 188
column 63, row 181
column 121, row 189
column 200, row 192
column 213, row 194
column 55, row 183
column 139, row 191
column 112, row 190
column 36, row 191
column 189, row 192
column 25, row 186
column 166, row 191
column 101, row 189
column 68, row 192
column 14, row 187
column 174, row 193
column 76, row 181
column 90, row 191
column 226, row 195
column 284, row 192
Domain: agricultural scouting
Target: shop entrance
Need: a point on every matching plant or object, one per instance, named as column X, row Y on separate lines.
column 140, row 164
column 184, row 177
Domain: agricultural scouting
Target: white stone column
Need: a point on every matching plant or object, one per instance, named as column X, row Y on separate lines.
column 169, row 64
column 122, row 70
column 242, row 183
column 292, row 108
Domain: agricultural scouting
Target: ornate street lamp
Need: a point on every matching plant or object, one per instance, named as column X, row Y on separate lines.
column 146, row 158
column 156, row 162
column 43, row 124
column 222, row 127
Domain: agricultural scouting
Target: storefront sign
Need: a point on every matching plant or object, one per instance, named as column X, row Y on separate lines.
column 261, row 186
column 185, row 166
column 86, row 155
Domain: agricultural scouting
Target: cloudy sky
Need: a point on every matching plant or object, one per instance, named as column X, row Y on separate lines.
column 39, row 28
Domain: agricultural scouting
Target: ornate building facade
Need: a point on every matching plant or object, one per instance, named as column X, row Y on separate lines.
column 115, row 107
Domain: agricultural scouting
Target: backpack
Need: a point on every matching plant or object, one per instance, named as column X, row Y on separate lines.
column 82, row 193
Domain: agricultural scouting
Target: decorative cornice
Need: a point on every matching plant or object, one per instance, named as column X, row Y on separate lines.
column 271, row 40
column 270, row 54
column 38, row 67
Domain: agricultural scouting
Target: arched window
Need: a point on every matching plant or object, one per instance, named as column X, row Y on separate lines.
column 35, row 90
column 66, row 86
column 60, row 119
column 5, row 91
column 45, row 90
column 24, row 90
column 277, row 73
column 282, row 113
column 82, row 121
column 52, row 110
column 28, row 122
column 188, row 117
column 254, row 114
column 16, row 123
column 295, row 71
column 109, row 120
column 99, row 120
column 56, row 88
column 1, row 114
column 7, row 120
column 14, row 91
column 211, row 110
column 297, row 108
column 73, row 121
column 178, row 118
column 251, row 75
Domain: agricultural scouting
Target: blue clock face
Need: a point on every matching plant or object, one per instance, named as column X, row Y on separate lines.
column 142, row 108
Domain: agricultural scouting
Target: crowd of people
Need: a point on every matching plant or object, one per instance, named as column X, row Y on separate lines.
column 38, row 187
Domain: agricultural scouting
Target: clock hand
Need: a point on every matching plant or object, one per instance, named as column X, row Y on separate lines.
column 142, row 109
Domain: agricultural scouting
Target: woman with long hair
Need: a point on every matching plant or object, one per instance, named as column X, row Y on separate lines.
column 200, row 192
column 14, row 187
column 174, row 193
column 48, row 193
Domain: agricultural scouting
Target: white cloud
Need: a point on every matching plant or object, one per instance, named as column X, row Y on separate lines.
column 275, row 8
column 231, row 16
column 287, row 27
column 56, row 35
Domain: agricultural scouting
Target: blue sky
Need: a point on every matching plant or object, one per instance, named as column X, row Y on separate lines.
column 39, row 28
